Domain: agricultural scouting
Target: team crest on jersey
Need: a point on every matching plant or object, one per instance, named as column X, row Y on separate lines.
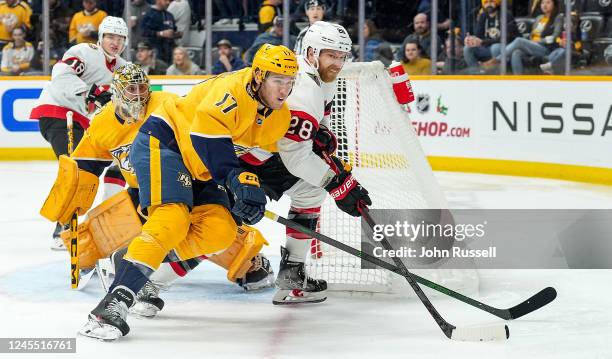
column 184, row 179
column 121, row 155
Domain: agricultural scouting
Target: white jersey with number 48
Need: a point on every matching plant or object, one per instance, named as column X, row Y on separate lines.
column 81, row 67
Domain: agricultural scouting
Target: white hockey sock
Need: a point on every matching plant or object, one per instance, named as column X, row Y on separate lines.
column 297, row 249
column 164, row 276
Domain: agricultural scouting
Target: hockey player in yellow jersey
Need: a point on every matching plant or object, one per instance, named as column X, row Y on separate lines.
column 113, row 223
column 185, row 157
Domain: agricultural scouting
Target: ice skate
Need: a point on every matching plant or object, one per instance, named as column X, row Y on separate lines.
column 294, row 286
column 148, row 302
column 107, row 320
column 259, row 276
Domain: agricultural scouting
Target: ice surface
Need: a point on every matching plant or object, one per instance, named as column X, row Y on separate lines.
column 207, row 317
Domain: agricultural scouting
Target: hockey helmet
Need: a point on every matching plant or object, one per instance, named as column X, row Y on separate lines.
column 326, row 35
column 112, row 25
column 313, row 3
column 130, row 92
column 277, row 59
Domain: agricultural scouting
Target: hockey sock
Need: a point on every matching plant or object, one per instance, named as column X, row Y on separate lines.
column 298, row 243
column 130, row 275
column 113, row 182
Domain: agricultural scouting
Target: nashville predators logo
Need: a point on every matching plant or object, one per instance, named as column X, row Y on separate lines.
column 121, row 155
column 184, row 179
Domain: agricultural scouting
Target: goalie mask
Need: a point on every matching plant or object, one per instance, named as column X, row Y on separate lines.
column 130, row 91
column 325, row 35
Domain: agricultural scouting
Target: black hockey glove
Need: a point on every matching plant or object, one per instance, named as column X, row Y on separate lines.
column 249, row 198
column 324, row 142
column 98, row 96
column 346, row 191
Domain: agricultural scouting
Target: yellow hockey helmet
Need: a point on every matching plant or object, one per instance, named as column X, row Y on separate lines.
column 130, row 92
column 278, row 59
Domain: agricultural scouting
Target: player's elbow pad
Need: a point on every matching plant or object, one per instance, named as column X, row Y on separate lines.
column 74, row 190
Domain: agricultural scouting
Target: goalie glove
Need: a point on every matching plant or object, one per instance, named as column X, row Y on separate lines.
column 346, row 191
column 97, row 97
column 324, row 141
column 249, row 198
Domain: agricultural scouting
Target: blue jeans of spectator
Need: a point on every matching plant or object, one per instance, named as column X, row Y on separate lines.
column 519, row 49
column 481, row 53
column 556, row 55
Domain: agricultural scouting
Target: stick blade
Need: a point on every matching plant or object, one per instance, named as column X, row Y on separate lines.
column 481, row 334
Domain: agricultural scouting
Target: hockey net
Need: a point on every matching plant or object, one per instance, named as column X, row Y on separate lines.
column 376, row 137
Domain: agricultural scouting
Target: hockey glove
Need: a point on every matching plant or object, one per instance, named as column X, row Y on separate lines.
column 249, row 198
column 346, row 191
column 97, row 97
column 324, row 141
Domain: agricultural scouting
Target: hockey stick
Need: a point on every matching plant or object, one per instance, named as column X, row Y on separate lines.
column 74, row 220
column 493, row 332
column 533, row 303
column 497, row 332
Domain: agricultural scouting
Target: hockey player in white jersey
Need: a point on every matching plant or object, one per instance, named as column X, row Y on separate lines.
column 299, row 170
column 79, row 83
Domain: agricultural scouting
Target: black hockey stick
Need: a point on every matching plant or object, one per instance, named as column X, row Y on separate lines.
column 533, row 303
column 496, row 332
column 493, row 332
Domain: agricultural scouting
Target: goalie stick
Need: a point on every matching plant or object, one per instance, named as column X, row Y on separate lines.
column 74, row 220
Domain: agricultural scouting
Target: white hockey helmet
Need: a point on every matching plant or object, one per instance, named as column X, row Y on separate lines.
column 326, row 35
column 112, row 25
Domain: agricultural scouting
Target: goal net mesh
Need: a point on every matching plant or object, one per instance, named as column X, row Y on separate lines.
column 376, row 137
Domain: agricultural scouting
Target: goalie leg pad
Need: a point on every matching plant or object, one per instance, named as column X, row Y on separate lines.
column 237, row 257
column 109, row 227
column 73, row 190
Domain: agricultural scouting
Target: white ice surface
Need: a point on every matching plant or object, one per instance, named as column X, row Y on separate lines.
column 207, row 317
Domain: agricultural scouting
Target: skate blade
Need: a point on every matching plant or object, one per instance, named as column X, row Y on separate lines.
column 144, row 310
column 265, row 283
column 296, row 296
column 84, row 277
column 101, row 331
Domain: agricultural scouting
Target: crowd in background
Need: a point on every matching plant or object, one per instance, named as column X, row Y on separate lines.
column 165, row 34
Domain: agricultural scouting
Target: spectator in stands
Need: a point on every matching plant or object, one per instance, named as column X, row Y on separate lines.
column 138, row 9
column 269, row 10
column 413, row 62
column 159, row 28
column 485, row 43
column 315, row 11
column 273, row 36
column 455, row 63
column 145, row 57
column 546, row 29
column 181, row 10
column 17, row 55
column 182, row 64
column 556, row 58
column 113, row 7
column 375, row 47
column 227, row 61
column 84, row 24
column 59, row 17
column 422, row 35
column 13, row 14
